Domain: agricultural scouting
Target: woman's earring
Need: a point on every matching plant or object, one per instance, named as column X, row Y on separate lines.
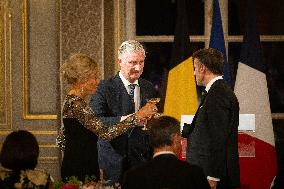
column 82, row 90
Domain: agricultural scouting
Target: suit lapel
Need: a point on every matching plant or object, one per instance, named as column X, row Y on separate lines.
column 203, row 100
column 143, row 92
column 196, row 114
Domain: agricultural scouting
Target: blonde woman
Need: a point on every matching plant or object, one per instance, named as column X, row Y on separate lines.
column 81, row 126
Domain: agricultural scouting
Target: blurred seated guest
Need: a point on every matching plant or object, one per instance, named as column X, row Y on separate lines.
column 165, row 170
column 81, row 125
column 19, row 156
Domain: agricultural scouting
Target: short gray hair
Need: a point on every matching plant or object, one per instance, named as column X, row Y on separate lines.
column 130, row 46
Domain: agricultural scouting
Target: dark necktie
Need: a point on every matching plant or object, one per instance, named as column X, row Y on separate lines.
column 131, row 91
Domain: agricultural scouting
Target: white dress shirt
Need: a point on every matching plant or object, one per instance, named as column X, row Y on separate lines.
column 126, row 84
column 163, row 152
column 208, row 86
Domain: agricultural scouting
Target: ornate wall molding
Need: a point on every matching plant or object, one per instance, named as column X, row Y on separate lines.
column 25, row 62
column 39, row 132
column 5, row 66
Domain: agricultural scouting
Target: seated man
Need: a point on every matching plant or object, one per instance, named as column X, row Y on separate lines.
column 165, row 170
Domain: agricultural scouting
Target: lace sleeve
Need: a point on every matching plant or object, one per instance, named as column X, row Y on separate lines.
column 84, row 114
column 60, row 139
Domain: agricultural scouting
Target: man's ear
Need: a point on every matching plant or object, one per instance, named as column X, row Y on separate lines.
column 202, row 68
column 176, row 140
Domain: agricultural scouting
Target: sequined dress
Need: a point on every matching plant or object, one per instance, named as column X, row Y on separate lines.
column 32, row 179
column 80, row 132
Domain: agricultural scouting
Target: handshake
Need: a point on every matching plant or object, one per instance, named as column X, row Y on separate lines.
column 147, row 112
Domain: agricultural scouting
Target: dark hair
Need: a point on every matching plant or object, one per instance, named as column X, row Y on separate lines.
column 162, row 129
column 211, row 58
column 20, row 151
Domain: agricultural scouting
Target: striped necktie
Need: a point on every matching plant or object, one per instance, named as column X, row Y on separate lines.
column 131, row 91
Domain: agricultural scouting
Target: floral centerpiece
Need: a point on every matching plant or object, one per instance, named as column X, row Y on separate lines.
column 89, row 183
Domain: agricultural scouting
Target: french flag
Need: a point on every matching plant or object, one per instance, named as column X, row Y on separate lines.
column 258, row 164
column 217, row 38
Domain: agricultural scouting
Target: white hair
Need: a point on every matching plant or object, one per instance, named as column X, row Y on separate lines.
column 130, row 46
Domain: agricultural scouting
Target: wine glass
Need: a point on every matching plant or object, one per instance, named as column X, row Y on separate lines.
column 152, row 100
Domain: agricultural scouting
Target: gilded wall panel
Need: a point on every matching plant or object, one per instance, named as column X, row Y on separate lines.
column 5, row 67
column 40, row 58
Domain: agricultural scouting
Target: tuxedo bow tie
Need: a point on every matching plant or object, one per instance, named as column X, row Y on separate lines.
column 204, row 94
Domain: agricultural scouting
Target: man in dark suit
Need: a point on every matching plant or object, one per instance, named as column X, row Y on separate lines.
column 213, row 135
column 165, row 170
column 114, row 100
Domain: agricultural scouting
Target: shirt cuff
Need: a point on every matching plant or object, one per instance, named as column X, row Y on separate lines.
column 124, row 117
column 213, row 178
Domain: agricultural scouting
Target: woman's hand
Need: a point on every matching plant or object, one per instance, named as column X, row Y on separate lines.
column 147, row 111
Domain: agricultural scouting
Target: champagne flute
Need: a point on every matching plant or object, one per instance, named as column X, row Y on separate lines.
column 152, row 100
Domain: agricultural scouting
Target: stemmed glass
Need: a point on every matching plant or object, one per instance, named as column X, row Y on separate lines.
column 152, row 100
